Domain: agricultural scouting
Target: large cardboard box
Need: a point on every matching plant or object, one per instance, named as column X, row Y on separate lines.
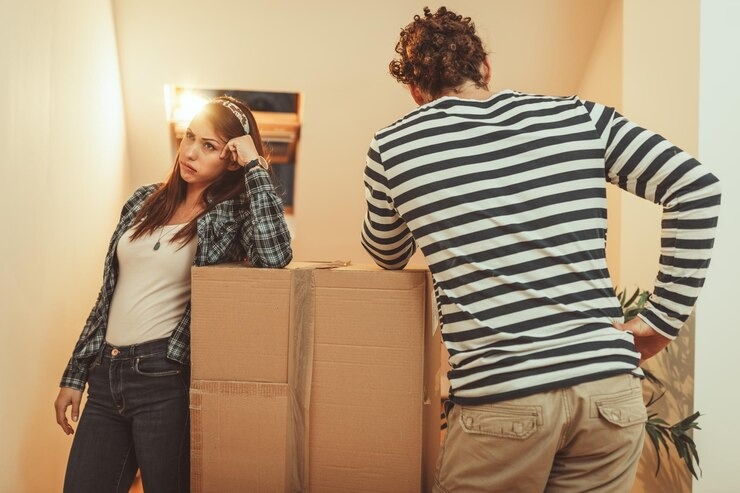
column 311, row 379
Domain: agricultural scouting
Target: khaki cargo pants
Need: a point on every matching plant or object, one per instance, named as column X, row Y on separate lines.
column 582, row 438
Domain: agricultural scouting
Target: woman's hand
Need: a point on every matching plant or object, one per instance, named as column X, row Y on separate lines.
column 67, row 397
column 241, row 150
column 648, row 341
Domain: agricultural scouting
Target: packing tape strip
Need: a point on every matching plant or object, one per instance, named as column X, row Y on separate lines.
column 300, row 373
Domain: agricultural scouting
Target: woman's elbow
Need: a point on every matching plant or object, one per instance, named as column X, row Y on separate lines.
column 277, row 261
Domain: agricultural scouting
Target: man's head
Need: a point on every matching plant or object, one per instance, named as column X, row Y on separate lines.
column 439, row 52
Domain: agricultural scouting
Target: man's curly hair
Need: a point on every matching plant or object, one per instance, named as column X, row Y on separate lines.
column 438, row 52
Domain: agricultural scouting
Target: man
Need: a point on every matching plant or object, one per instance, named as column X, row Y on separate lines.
column 505, row 195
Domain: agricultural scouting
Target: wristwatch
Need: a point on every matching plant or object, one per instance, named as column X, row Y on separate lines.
column 260, row 161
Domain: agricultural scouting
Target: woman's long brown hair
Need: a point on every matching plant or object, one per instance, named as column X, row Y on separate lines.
column 159, row 208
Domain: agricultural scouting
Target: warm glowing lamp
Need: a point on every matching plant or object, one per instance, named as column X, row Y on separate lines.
column 181, row 105
column 187, row 105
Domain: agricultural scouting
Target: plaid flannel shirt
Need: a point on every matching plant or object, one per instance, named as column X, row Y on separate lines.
column 251, row 226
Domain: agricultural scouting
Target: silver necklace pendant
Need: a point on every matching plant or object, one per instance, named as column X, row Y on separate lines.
column 158, row 244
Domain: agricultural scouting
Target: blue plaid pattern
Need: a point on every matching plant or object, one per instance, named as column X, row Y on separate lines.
column 251, row 227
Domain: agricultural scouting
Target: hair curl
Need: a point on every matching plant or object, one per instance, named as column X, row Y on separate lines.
column 439, row 52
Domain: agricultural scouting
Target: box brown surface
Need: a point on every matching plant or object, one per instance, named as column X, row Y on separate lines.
column 373, row 382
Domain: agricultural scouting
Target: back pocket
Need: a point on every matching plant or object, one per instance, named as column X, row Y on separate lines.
column 622, row 409
column 501, row 420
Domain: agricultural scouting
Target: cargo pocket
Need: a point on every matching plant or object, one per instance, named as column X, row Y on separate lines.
column 625, row 409
column 500, row 420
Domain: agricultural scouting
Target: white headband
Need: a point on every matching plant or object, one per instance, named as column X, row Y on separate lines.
column 238, row 113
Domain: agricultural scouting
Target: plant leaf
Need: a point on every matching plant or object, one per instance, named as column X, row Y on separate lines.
column 653, row 378
column 632, row 298
column 657, row 430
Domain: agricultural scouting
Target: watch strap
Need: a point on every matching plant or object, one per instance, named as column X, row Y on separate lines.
column 259, row 161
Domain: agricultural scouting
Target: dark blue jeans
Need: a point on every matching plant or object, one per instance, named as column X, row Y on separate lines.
column 136, row 417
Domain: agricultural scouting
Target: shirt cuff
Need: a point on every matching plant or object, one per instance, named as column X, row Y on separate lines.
column 74, row 377
column 658, row 324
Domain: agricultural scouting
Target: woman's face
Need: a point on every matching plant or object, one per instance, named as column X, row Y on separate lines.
column 199, row 162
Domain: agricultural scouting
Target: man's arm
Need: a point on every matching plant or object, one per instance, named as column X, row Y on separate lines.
column 385, row 235
column 646, row 164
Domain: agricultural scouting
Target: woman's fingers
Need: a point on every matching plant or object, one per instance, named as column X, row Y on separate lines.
column 67, row 397
column 61, row 410
column 242, row 150
column 76, row 398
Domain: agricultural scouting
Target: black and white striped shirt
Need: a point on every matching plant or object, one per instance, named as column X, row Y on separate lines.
column 506, row 197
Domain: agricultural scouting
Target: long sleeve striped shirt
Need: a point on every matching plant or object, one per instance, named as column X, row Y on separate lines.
column 506, row 198
column 251, row 226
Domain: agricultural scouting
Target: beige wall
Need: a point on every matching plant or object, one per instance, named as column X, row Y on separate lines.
column 67, row 152
column 336, row 54
column 62, row 140
column 62, row 132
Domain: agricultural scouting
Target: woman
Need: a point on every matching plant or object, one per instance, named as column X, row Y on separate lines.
column 218, row 205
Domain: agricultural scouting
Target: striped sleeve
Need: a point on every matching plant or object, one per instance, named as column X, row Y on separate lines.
column 385, row 235
column 649, row 166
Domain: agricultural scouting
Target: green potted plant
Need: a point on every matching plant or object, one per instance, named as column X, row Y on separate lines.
column 660, row 432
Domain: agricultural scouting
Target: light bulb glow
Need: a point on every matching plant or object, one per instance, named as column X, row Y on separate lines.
column 187, row 105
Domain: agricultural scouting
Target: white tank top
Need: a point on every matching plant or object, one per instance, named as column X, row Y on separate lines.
column 153, row 286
